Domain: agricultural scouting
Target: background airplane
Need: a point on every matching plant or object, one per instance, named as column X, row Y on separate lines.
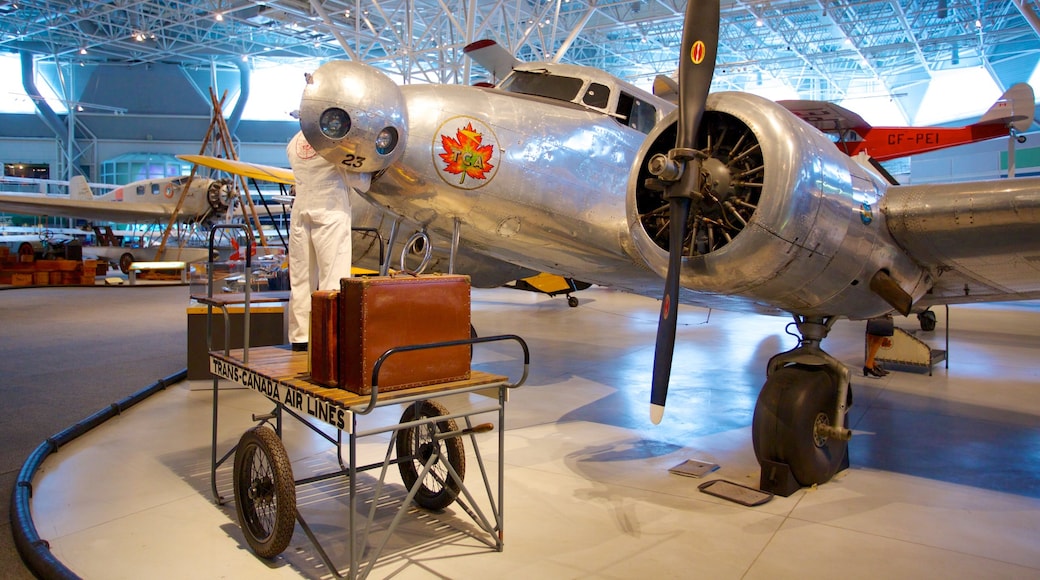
column 1012, row 114
column 728, row 200
column 150, row 201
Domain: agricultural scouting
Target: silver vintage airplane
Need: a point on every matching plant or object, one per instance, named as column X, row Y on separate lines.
column 149, row 201
column 727, row 200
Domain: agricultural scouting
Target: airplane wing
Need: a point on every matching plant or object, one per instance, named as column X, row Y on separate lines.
column 996, row 258
column 243, row 168
column 666, row 88
column 826, row 117
column 93, row 210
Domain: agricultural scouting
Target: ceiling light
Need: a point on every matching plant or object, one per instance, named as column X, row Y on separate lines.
column 219, row 16
column 83, row 50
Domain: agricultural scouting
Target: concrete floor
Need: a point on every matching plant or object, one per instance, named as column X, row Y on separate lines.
column 943, row 480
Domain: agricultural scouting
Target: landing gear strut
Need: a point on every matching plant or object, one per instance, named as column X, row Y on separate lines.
column 800, row 428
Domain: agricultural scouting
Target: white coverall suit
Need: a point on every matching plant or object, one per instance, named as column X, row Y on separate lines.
column 319, row 230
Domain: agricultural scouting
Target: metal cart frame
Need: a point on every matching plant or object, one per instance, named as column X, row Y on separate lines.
column 281, row 375
column 296, row 396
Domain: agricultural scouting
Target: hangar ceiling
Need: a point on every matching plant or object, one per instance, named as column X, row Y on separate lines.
column 822, row 49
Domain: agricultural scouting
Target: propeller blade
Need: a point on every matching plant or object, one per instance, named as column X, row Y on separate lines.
column 696, row 66
column 682, row 173
column 679, row 207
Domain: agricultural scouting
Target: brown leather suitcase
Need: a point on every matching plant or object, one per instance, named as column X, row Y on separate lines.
column 324, row 340
column 379, row 313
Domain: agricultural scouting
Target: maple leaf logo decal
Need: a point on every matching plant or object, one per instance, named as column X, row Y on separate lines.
column 466, row 155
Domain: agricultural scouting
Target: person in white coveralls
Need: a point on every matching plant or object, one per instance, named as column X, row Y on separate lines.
column 319, row 231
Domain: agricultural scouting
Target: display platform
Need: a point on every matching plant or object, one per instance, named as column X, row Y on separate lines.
column 942, row 482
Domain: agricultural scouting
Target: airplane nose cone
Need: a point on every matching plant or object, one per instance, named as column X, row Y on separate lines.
column 354, row 115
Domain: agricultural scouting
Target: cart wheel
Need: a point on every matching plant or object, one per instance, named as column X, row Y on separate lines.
column 265, row 492
column 416, row 444
column 125, row 261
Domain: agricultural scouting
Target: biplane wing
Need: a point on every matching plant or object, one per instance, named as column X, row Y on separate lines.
column 243, row 168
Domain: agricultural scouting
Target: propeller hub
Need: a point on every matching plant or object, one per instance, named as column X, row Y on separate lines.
column 718, row 180
column 665, row 168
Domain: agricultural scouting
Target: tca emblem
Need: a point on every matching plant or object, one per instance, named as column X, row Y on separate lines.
column 467, row 154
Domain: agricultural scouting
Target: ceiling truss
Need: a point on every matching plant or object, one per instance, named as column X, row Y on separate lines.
column 822, row 49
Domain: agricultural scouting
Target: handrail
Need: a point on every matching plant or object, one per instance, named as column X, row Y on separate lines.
column 466, row 341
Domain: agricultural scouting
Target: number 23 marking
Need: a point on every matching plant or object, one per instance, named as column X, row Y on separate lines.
column 351, row 160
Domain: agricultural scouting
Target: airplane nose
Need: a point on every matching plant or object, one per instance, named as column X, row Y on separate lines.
column 354, row 115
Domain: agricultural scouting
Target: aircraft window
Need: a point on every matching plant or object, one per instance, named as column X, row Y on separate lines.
column 597, row 96
column 636, row 114
column 542, row 84
column 155, row 189
column 140, row 190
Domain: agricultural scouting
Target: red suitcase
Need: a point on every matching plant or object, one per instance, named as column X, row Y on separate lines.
column 324, row 340
column 379, row 313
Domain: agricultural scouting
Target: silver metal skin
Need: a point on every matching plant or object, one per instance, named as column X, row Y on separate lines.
column 373, row 104
column 808, row 247
column 981, row 237
column 548, row 198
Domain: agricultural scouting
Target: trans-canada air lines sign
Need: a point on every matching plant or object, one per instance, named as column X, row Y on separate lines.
column 466, row 153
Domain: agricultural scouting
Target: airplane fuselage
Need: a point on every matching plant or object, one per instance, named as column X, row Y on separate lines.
column 529, row 179
column 553, row 184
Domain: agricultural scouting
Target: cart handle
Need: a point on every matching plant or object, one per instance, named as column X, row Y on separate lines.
column 379, row 362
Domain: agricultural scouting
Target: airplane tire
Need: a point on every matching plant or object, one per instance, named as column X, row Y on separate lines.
column 793, row 400
column 415, row 445
column 265, row 492
column 927, row 320
column 125, row 261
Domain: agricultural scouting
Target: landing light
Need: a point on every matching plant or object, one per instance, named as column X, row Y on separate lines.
column 334, row 123
column 386, row 141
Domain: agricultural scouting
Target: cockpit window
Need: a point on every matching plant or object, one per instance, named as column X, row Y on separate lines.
column 542, row 84
column 636, row 114
column 597, row 96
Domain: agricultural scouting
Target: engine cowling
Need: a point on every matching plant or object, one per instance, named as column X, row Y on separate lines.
column 354, row 115
column 786, row 219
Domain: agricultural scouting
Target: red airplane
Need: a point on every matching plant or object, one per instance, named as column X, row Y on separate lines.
column 1012, row 112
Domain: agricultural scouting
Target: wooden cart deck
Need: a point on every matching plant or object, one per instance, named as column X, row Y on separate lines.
column 281, row 374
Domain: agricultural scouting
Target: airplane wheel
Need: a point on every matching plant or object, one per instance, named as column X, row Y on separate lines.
column 793, row 401
column 572, row 302
column 416, row 445
column 125, row 261
column 265, row 492
column 927, row 320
